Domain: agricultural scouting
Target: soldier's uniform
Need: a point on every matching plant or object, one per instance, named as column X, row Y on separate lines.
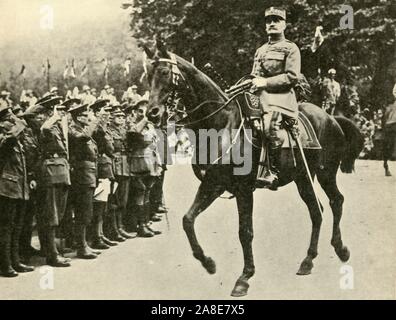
column 121, row 172
column 30, row 142
column 105, row 143
column 279, row 63
column 14, row 192
column 145, row 168
column 54, row 182
column 83, row 162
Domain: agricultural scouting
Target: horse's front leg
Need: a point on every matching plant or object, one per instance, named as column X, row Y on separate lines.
column 204, row 198
column 245, row 209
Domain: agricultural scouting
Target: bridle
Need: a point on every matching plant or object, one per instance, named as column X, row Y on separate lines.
column 171, row 103
column 172, row 98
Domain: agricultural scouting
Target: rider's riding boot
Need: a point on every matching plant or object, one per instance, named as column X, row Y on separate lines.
column 268, row 175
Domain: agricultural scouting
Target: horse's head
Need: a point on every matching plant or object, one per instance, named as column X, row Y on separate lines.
column 165, row 79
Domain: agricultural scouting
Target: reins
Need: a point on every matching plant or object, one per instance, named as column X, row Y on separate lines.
column 171, row 105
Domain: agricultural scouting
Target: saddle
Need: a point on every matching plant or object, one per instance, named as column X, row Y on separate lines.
column 250, row 106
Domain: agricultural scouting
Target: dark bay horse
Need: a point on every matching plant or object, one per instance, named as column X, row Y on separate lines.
column 204, row 102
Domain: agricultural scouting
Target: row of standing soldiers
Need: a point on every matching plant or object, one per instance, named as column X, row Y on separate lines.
column 89, row 174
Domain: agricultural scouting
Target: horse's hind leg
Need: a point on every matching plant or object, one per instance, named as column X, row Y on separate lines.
column 328, row 181
column 204, row 198
column 245, row 208
column 307, row 194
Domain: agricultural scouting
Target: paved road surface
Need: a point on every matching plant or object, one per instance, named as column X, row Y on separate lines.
column 163, row 267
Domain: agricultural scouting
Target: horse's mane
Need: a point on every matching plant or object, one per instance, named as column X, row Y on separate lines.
column 207, row 79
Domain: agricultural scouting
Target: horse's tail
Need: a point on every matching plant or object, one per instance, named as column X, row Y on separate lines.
column 353, row 144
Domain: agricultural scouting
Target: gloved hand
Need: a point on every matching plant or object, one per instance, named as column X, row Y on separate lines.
column 258, row 83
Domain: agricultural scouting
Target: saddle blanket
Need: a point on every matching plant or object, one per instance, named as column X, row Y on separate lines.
column 249, row 104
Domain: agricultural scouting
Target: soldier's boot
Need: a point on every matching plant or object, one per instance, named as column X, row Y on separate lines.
column 115, row 234
column 268, row 176
column 120, row 213
column 143, row 230
column 26, row 249
column 6, row 269
column 83, row 251
column 53, row 257
column 132, row 219
column 148, row 214
column 97, row 241
column 17, row 265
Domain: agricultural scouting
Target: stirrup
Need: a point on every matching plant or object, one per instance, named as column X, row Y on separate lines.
column 269, row 180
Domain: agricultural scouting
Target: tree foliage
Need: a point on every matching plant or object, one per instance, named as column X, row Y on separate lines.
column 227, row 33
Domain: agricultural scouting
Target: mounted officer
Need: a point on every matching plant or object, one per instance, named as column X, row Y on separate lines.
column 276, row 69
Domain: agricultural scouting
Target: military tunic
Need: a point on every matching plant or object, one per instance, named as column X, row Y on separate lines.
column 105, row 143
column 280, row 63
column 83, row 161
column 121, row 169
column 54, row 176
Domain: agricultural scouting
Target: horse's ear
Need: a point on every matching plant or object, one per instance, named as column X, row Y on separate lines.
column 161, row 47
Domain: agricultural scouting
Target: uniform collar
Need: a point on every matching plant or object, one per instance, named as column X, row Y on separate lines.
column 276, row 39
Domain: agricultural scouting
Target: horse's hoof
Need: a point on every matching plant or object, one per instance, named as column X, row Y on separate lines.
column 240, row 289
column 305, row 268
column 343, row 254
column 209, row 265
column 388, row 174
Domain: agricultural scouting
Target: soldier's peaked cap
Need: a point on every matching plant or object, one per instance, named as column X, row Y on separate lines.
column 118, row 112
column 71, row 103
column 99, row 104
column 50, row 102
column 276, row 11
column 79, row 109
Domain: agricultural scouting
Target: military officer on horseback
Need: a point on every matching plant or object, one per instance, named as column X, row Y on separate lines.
column 276, row 69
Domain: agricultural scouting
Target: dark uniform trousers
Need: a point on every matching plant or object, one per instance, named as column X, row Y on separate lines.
column 11, row 220
column 14, row 192
column 30, row 141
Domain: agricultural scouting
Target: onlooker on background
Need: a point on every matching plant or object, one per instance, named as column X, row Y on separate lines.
column 131, row 95
column 389, row 125
column 86, row 96
column 108, row 94
column 331, row 91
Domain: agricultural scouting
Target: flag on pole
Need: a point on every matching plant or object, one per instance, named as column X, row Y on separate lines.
column 23, row 71
column 318, row 40
column 66, row 70
column 144, row 60
column 72, row 70
column 106, row 69
column 69, row 71
column 84, row 70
